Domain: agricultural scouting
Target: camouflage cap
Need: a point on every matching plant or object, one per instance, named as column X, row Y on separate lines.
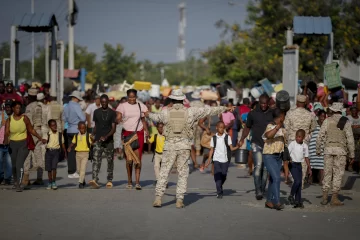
column 301, row 98
column 33, row 92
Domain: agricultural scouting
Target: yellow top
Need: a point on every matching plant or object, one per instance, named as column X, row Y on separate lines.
column 160, row 141
column 81, row 143
column 18, row 130
column 53, row 141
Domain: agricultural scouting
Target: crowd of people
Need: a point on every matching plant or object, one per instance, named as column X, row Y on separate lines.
column 313, row 142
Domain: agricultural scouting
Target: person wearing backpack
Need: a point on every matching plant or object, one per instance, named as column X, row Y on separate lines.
column 220, row 154
column 82, row 142
column 55, row 142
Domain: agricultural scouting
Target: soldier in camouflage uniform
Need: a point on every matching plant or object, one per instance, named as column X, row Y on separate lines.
column 198, row 130
column 300, row 118
column 55, row 111
column 30, row 113
column 179, row 123
column 337, row 140
column 41, row 127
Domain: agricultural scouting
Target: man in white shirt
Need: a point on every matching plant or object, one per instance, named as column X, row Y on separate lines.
column 90, row 113
column 220, row 152
column 299, row 151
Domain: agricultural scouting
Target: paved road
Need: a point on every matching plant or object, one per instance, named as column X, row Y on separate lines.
column 71, row 213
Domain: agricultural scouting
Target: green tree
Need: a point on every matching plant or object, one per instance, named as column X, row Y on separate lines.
column 116, row 66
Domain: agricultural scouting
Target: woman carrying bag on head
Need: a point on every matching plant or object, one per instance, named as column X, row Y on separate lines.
column 131, row 114
column 18, row 131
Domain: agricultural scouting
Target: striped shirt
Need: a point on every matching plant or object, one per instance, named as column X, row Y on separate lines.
column 316, row 162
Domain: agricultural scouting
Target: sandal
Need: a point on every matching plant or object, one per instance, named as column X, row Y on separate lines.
column 138, row 187
column 109, row 185
column 129, row 186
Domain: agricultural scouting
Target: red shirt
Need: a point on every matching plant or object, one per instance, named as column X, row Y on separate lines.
column 12, row 96
column 244, row 109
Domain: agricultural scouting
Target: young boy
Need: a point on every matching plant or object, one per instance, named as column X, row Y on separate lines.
column 299, row 152
column 159, row 141
column 52, row 155
column 220, row 152
column 83, row 142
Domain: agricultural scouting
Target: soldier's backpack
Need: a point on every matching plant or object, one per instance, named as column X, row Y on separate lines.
column 228, row 150
column 87, row 137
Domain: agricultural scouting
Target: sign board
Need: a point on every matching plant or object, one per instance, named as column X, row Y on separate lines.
column 332, row 75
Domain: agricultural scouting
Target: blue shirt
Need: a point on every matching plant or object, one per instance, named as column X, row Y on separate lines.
column 73, row 115
column 66, row 125
column 5, row 117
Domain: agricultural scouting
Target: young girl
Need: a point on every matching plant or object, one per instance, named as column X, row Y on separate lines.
column 274, row 138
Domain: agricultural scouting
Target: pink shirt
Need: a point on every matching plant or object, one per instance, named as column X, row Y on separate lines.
column 227, row 117
column 130, row 115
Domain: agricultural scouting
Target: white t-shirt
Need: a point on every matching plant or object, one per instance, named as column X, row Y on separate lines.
column 298, row 152
column 220, row 152
column 90, row 110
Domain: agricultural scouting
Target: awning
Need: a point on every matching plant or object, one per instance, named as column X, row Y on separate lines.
column 37, row 22
column 71, row 73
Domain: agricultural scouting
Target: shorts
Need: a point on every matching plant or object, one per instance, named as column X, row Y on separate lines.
column 51, row 159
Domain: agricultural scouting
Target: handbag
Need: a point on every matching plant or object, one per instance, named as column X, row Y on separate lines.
column 135, row 144
column 205, row 138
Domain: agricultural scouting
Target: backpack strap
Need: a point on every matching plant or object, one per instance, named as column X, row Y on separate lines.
column 228, row 150
column 60, row 139
column 76, row 137
column 48, row 137
column 155, row 141
column 88, row 140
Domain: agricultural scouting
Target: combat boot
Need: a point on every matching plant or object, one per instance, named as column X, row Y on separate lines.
column 26, row 181
column 324, row 198
column 179, row 203
column 335, row 200
column 157, row 202
column 38, row 182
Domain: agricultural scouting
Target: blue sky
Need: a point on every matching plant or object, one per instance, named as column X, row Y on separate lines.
column 147, row 27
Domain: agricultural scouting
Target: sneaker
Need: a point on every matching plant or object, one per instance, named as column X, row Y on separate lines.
column 49, row 187
column 53, row 186
column 259, row 197
column 74, row 175
column 219, row 196
column 81, row 185
column 94, row 184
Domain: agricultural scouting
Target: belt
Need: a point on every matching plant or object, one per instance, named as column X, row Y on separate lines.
column 158, row 152
column 52, row 149
column 296, row 163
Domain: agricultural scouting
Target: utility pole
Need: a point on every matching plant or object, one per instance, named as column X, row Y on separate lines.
column 71, row 36
column 32, row 44
column 47, row 59
column 182, row 24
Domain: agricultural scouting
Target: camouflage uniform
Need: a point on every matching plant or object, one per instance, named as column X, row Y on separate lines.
column 55, row 111
column 29, row 112
column 198, row 130
column 337, row 145
column 177, row 147
column 40, row 148
column 103, row 151
column 296, row 119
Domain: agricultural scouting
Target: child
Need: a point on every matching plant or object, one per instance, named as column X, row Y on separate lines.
column 83, row 142
column 220, row 152
column 158, row 140
column 298, row 152
column 52, row 155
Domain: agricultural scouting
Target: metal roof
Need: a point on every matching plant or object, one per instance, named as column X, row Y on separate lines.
column 37, row 22
column 312, row 25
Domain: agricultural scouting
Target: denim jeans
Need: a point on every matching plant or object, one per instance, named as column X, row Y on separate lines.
column 273, row 163
column 296, row 172
column 260, row 172
column 5, row 163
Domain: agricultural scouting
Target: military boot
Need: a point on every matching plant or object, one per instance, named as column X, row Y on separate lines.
column 335, row 200
column 157, row 202
column 324, row 198
column 179, row 203
column 26, row 181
